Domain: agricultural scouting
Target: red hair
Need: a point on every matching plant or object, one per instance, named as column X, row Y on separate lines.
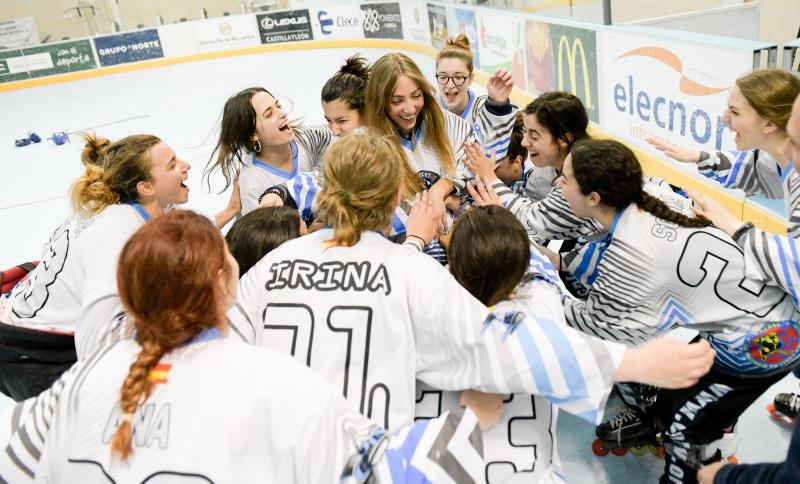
column 168, row 280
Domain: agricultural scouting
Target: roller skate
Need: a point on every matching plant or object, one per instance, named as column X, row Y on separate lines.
column 723, row 448
column 785, row 406
column 627, row 431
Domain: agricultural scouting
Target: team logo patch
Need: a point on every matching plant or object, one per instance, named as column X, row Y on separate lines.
column 775, row 345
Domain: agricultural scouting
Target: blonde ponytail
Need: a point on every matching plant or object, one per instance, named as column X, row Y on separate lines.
column 362, row 176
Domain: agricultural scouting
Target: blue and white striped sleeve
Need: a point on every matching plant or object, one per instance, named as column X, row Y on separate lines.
column 550, row 218
column 751, row 171
column 772, row 258
column 305, row 190
column 493, row 126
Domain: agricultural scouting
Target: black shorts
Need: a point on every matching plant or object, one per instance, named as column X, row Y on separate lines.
column 30, row 360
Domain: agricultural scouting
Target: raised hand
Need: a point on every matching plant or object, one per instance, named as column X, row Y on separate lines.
column 478, row 163
column 500, row 85
column 675, row 152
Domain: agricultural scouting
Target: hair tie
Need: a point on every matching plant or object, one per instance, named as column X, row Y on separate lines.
column 127, row 417
column 346, row 197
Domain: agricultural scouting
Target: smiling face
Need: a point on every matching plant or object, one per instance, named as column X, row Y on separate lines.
column 272, row 123
column 167, row 176
column 744, row 121
column 341, row 119
column 543, row 149
column 455, row 97
column 581, row 204
column 405, row 104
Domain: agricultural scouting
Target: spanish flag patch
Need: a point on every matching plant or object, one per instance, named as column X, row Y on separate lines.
column 159, row 373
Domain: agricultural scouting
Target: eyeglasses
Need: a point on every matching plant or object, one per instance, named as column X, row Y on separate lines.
column 457, row 80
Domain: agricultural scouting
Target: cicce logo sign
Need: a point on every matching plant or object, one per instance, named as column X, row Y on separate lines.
column 327, row 24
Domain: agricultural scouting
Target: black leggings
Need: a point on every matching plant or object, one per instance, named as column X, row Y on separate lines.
column 30, row 360
column 695, row 416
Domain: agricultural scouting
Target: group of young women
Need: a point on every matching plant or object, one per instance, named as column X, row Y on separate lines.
column 341, row 278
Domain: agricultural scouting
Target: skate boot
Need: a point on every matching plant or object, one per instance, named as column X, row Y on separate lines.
column 785, row 405
column 627, row 430
column 723, row 448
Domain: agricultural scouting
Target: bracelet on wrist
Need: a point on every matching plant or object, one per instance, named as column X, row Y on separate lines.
column 417, row 237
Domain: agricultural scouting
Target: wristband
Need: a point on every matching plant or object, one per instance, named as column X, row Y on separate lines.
column 417, row 237
column 741, row 231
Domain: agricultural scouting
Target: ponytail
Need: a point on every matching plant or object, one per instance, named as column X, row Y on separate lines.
column 362, row 176
column 135, row 389
column 457, row 48
column 171, row 296
column 610, row 169
column 89, row 194
column 659, row 209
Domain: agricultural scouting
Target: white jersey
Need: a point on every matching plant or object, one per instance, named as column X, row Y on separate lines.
column 650, row 275
column 373, row 317
column 74, row 288
column 208, row 421
column 492, row 131
column 757, row 173
column 307, row 148
column 522, row 447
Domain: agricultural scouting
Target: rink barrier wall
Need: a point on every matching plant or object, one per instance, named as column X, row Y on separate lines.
column 636, row 82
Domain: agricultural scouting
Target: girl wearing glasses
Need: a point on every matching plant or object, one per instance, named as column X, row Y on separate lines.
column 492, row 113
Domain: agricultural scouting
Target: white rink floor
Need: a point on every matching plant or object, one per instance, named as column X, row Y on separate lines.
column 182, row 105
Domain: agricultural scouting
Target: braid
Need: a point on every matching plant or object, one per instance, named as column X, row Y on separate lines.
column 659, row 209
column 135, row 389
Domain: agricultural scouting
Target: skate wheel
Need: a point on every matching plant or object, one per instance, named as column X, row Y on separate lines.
column 619, row 451
column 657, row 451
column 771, row 408
column 733, row 460
column 638, row 450
column 597, row 448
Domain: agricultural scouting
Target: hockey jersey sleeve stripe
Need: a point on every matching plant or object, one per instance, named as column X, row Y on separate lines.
column 17, row 462
column 785, row 264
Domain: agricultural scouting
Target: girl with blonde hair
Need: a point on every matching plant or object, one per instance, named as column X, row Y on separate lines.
column 758, row 110
column 69, row 301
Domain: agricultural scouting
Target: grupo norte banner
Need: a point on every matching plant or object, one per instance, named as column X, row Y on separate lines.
column 437, row 22
column 382, row 21
column 668, row 89
column 501, row 45
column 415, row 22
column 46, row 60
column 463, row 22
column 561, row 58
column 225, row 33
column 129, row 47
column 337, row 22
column 288, row 26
